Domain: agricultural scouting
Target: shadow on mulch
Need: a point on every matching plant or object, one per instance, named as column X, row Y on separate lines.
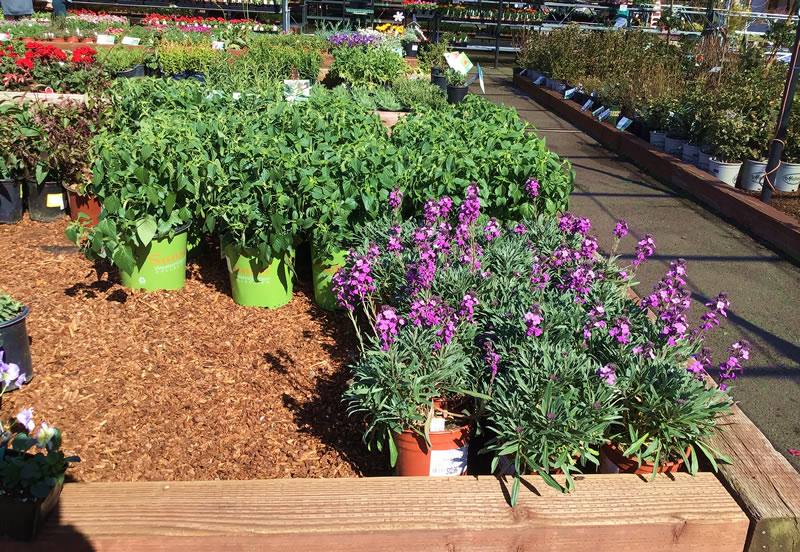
column 328, row 419
column 100, row 286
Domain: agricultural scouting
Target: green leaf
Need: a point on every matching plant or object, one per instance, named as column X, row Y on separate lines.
column 123, row 259
column 146, row 230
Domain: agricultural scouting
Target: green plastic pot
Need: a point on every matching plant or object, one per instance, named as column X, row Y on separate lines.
column 159, row 265
column 258, row 286
column 322, row 273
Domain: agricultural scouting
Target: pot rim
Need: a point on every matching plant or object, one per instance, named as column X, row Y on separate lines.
column 21, row 316
column 726, row 163
column 632, row 459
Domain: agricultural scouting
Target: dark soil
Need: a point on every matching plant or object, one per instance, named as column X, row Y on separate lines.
column 179, row 385
column 786, row 202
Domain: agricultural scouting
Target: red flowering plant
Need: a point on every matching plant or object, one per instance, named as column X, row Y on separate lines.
column 35, row 66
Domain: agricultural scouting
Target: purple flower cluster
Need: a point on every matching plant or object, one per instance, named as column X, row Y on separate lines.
column 352, row 40
column 354, row 281
column 701, row 363
column 468, row 213
column 671, row 302
column 434, row 312
column 9, row 374
column 520, row 228
column 25, row 418
column 468, row 304
column 571, row 224
column 718, row 308
column 621, row 229
column 532, row 187
column 644, row 249
column 44, row 436
column 492, row 358
column 621, row 329
column 539, row 277
column 492, row 229
column 739, row 351
column 532, row 320
column 595, row 319
column 608, row 373
column 395, row 199
column 387, row 324
column 394, row 245
column 646, row 350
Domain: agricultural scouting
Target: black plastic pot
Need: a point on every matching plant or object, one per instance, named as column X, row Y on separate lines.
column 411, row 49
column 24, row 520
column 136, row 71
column 441, row 81
column 16, row 346
column 10, row 202
column 456, row 94
column 189, row 75
column 46, row 201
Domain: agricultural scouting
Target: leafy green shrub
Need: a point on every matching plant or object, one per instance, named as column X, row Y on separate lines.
column 284, row 61
column 386, row 99
column 416, row 94
column 366, row 65
column 183, row 57
column 121, row 59
column 431, row 54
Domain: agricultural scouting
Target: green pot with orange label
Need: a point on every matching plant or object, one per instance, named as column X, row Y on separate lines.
column 161, row 264
column 323, row 267
column 255, row 285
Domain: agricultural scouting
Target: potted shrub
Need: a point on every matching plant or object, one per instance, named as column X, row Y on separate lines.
column 14, row 344
column 410, row 42
column 150, row 190
column 787, row 177
column 457, row 87
column 10, row 194
column 727, row 132
column 122, row 62
column 32, row 468
column 677, row 128
column 755, row 164
column 658, row 114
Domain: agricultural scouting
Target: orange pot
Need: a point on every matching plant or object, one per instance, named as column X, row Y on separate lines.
column 87, row 205
column 87, row 40
column 613, row 461
column 447, row 455
column 71, row 39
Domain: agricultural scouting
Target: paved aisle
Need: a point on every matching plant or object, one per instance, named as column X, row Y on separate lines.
column 764, row 288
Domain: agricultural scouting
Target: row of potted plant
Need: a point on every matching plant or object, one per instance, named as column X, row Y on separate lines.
column 521, row 331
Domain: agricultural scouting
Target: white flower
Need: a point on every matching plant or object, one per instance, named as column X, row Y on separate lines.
column 399, row 17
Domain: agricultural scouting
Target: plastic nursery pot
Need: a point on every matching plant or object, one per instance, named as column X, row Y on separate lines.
column 689, row 153
column 16, row 346
column 752, row 173
column 24, row 520
column 441, row 81
column 657, row 139
column 46, row 201
column 446, row 457
column 137, row 71
column 674, row 146
column 10, row 202
column 703, row 160
column 255, row 286
column 86, row 208
column 456, row 94
column 159, row 265
column 727, row 172
column 613, row 461
column 322, row 274
column 411, row 49
column 787, row 177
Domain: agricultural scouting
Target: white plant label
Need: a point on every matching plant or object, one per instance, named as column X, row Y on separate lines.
column 437, row 424
column 569, row 93
column 451, row 462
column 5, row 37
column 217, row 45
column 106, row 39
column 414, row 47
column 131, row 40
column 587, row 105
column 597, row 111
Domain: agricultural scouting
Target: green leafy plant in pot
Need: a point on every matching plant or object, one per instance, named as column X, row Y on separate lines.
column 32, row 469
column 150, row 190
column 727, row 132
column 410, row 41
column 456, row 86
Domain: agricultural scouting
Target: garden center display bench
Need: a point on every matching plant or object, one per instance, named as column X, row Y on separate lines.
column 607, row 512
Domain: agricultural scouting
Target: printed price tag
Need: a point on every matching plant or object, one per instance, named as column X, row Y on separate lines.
column 414, row 47
column 106, row 39
column 587, row 105
column 604, row 115
column 540, row 80
column 131, row 40
column 597, row 111
column 55, row 200
column 569, row 93
column 217, row 45
column 458, row 61
column 449, row 462
column 623, row 123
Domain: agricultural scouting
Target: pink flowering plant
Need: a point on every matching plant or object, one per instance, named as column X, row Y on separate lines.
column 531, row 322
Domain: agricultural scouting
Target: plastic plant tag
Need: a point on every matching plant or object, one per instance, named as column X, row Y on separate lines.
column 480, row 79
column 449, row 462
column 414, row 47
column 131, row 40
column 237, row 95
column 604, row 115
column 296, row 90
column 4, row 37
column 623, row 7
column 597, row 111
column 458, row 61
column 623, row 123
column 540, row 80
column 106, row 39
column 437, row 424
column 55, row 200
column 523, row 71
column 620, row 22
column 589, row 103
column 569, row 93
column 715, row 69
column 217, row 45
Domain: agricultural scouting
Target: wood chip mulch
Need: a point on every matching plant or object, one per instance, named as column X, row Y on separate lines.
column 786, row 202
column 179, row 385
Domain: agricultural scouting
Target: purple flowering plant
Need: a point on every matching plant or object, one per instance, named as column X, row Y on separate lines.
column 537, row 329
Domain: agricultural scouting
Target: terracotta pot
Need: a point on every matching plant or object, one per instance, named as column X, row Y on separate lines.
column 446, row 457
column 613, row 461
column 87, row 205
column 71, row 39
column 87, row 40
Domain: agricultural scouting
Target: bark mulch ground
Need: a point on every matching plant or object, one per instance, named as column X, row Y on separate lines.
column 179, row 385
column 786, row 202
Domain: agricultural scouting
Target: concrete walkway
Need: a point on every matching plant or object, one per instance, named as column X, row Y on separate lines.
column 763, row 287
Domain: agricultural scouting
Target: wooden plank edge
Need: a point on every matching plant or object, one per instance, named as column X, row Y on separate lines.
column 776, row 228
